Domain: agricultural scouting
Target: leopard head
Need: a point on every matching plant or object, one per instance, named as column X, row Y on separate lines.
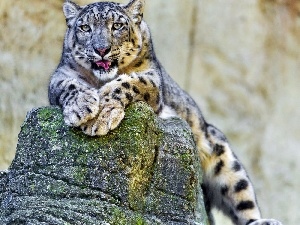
column 104, row 37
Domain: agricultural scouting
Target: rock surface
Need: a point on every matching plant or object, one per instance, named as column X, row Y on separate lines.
column 239, row 59
column 144, row 172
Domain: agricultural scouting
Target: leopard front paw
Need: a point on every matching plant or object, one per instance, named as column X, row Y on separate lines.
column 83, row 107
column 109, row 118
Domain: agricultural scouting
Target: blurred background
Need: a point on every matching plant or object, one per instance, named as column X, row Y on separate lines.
column 239, row 59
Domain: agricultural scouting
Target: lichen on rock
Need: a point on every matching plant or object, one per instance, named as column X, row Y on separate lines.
column 144, row 172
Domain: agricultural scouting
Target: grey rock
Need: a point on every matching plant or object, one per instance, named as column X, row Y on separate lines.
column 144, row 172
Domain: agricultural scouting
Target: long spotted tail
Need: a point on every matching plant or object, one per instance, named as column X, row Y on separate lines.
column 226, row 184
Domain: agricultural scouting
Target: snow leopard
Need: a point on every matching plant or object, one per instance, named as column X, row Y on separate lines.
column 108, row 62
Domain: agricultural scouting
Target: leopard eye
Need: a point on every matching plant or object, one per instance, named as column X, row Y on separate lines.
column 118, row 26
column 85, row 28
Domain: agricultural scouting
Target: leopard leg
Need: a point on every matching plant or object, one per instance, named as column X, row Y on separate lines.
column 227, row 185
column 119, row 93
column 79, row 102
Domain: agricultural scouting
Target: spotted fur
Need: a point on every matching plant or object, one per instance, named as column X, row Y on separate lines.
column 108, row 62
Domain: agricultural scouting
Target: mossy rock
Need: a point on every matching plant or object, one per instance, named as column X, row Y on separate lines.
column 144, row 172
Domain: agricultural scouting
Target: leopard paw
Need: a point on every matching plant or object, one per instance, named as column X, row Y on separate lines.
column 83, row 107
column 265, row 222
column 109, row 118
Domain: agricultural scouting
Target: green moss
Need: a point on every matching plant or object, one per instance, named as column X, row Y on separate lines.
column 54, row 115
column 140, row 221
column 120, row 218
column 142, row 154
column 57, row 189
column 79, row 174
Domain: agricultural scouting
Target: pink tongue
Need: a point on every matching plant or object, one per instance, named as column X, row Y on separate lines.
column 104, row 63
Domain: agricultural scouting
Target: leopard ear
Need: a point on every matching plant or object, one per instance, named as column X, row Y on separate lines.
column 71, row 10
column 135, row 9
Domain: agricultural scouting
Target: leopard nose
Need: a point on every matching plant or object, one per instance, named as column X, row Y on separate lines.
column 102, row 51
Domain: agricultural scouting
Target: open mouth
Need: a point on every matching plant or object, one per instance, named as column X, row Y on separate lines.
column 103, row 65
